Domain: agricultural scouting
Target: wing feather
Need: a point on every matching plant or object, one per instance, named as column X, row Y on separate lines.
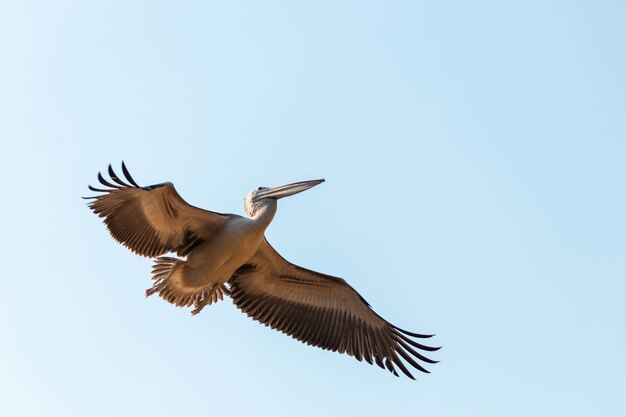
column 323, row 311
column 152, row 220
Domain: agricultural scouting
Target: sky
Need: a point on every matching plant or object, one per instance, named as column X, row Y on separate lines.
column 474, row 156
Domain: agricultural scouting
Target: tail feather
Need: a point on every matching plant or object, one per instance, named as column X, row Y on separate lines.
column 168, row 275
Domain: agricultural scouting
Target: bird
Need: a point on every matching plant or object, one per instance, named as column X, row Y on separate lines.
column 201, row 257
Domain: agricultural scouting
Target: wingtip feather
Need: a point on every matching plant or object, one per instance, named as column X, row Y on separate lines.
column 127, row 175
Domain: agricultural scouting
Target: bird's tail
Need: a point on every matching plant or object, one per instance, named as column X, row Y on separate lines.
column 168, row 275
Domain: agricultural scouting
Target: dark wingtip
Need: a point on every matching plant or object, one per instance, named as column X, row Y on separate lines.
column 127, row 175
column 418, row 335
column 107, row 183
column 117, row 179
column 100, row 190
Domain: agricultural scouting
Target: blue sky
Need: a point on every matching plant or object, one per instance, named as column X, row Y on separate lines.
column 474, row 154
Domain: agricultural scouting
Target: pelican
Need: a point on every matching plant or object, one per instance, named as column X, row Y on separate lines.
column 220, row 255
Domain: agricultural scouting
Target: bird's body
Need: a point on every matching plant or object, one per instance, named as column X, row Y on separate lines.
column 222, row 255
column 225, row 252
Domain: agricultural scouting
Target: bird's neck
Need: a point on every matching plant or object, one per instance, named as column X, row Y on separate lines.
column 265, row 213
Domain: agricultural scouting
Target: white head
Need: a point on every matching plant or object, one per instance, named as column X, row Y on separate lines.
column 268, row 196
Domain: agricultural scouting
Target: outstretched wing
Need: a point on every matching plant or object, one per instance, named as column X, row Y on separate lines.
column 323, row 311
column 153, row 220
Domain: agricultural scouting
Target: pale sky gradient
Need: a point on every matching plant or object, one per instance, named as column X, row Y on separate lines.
column 475, row 163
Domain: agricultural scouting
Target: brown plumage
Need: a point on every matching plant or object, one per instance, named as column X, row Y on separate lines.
column 222, row 255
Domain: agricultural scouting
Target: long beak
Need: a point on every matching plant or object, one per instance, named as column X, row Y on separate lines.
column 287, row 190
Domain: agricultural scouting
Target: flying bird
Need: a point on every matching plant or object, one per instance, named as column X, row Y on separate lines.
column 220, row 255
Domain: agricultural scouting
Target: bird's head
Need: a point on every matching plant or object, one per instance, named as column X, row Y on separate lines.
column 261, row 196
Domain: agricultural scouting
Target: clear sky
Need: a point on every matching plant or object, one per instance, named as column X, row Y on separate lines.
column 475, row 163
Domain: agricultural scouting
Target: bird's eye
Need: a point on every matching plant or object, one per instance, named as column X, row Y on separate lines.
column 259, row 189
